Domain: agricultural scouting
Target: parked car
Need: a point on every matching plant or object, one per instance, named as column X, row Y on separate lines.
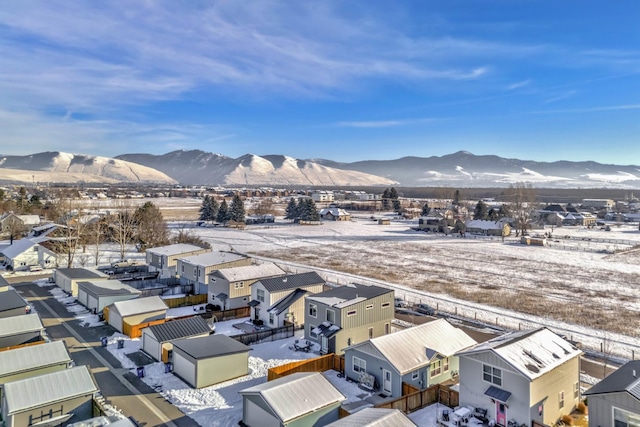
column 126, row 263
column 424, row 309
column 35, row 268
column 400, row 303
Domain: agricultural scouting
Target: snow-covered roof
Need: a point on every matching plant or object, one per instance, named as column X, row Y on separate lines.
column 344, row 296
column 212, row 258
column 334, row 212
column 29, row 219
column 485, row 225
column 532, row 353
column 374, row 417
column 45, row 389
column 15, row 325
column 18, row 247
column 312, row 392
column 140, row 305
column 249, row 272
column 33, row 357
column 108, row 288
column 176, row 249
column 408, row 350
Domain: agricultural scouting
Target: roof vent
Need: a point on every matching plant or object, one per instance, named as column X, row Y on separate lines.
column 634, row 374
column 284, row 280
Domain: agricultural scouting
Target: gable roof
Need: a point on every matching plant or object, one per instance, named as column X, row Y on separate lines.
column 286, row 302
column 212, row 258
column 41, row 390
column 11, row 299
column 532, row 352
column 18, row 247
column 140, row 305
column 210, row 346
column 485, row 225
column 80, row 273
column 413, row 348
column 108, row 288
column 27, row 358
column 374, row 417
column 291, row 281
column 15, row 325
column 176, row 249
column 249, row 272
column 624, row 379
column 181, row 328
column 311, row 389
column 344, row 296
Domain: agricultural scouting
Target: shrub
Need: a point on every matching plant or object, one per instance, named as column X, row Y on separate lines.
column 581, row 407
column 567, row 420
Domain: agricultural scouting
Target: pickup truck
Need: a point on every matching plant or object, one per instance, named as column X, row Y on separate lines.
column 125, row 263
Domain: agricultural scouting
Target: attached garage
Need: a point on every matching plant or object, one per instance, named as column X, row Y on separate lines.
column 135, row 312
column 67, row 278
column 157, row 340
column 96, row 295
column 202, row 362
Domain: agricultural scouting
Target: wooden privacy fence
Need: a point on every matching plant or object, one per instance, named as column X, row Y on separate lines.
column 420, row 399
column 185, row 301
column 318, row 364
column 272, row 334
column 234, row 313
column 29, row 344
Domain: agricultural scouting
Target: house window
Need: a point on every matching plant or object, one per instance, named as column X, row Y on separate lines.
column 311, row 333
column 385, row 304
column 370, row 333
column 331, row 316
column 436, row 368
column 239, row 285
column 415, row 375
column 622, row 418
column 561, row 399
column 351, row 313
column 359, row 365
column 260, row 295
column 313, row 310
column 492, row 375
column 445, row 367
column 271, row 318
column 576, row 390
column 369, row 306
column 183, row 268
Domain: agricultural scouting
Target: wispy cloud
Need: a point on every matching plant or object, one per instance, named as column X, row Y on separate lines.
column 595, row 109
column 518, row 85
column 560, row 96
column 385, row 123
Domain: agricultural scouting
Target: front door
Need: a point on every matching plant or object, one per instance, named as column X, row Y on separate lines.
column 257, row 313
column 386, row 381
column 324, row 343
column 501, row 413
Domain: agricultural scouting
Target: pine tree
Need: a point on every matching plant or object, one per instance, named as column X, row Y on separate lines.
column 209, row 209
column 236, row 211
column 504, row 212
column 385, row 199
column 222, row 212
column 292, row 210
column 425, row 209
column 303, row 209
column 312, row 211
column 480, row 211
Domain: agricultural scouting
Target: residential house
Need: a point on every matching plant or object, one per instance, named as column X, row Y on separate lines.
column 67, row 278
column 157, row 340
column 598, row 203
column 334, row 214
column 52, row 399
column 322, row 196
column 615, row 400
column 420, row 356
column 96, row 295
column 347, row 315
column 209, row 360
column 432, row 224
column 528, row 376
column 12, row 303
column 231, row 287
column 299, row 399
column 280, row 299
column 164, row 259
column 19, row 330
column 194, row 270
column 11, row 221
column 488, row 228
column 27, row 362
column 25, row 253
column 124, row 314
column 375, row 417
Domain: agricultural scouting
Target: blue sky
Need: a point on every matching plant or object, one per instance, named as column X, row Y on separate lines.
column 343, row 80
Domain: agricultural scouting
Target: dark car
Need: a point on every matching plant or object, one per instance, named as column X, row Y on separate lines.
column 424, row 309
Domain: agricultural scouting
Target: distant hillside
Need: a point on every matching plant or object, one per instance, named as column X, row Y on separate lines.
column 54, row 166
column 199, row 167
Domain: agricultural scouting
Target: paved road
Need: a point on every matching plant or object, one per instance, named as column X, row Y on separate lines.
column 120, row 387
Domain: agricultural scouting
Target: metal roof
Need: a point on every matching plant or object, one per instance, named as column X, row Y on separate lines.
column 210, row 346
column 181, row 328
column 36, row 356
column 80, row 273
column 140, row 305
column 413, row 348
column 624, row 379
column 312, row 392
column 286, row 302
column 498, row 394
column 292, row 281
column 18, row 247
column 212, row 258
column 45, row 389
column 108, row 288
column 177, row 249
column 15, row 325
column 11, row 299
column 343, row 296
column 532, row 352
column 248, row 272
column 375, row 417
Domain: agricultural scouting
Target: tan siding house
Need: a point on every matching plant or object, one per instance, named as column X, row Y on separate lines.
column 164, row 259
column 194, row 270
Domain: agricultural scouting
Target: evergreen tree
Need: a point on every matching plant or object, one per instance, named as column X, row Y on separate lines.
column 292, row 209
column 393, row 193
column 309, row 210
column 481, row 211
column 425, row 209
column 385, row 199
column 303, row 209
column 456, row 198
column 236, row 210
column 222, row 212
column 493, row 215
column 396, row 205
column 504, row 212
column 150, row 228
column 209, row 209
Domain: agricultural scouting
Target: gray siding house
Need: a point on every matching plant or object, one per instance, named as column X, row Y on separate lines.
column 194, row 270
column 347, row 315
column 528, row 376
column 420, row 356
column 164, row 259
column 231, row 287
column 12, row 303
column 615, row 401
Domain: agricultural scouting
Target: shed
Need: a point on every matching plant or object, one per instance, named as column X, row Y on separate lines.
column 375, row 417
column 157, row 340
column 27, row 362
column 124, row 314
column 50, row 399
column 96, row 295
column 67, row 278
column 19, row 330
column 205, row 361
column 12, row 304
column 316, row 402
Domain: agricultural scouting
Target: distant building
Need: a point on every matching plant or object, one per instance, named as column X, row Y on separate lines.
column 598, row 203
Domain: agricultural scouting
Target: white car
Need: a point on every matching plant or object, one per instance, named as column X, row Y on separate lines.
column 126, row 263
column 400, row 303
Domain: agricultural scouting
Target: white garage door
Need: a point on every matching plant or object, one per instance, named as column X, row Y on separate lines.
column 151, row 346
column 184, row 369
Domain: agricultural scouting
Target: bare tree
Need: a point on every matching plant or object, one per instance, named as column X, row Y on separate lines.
column 14, row 228
column 263, row 207
column 95, row 237
column 68, row 236
column 522, row 200
column 122, row 226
